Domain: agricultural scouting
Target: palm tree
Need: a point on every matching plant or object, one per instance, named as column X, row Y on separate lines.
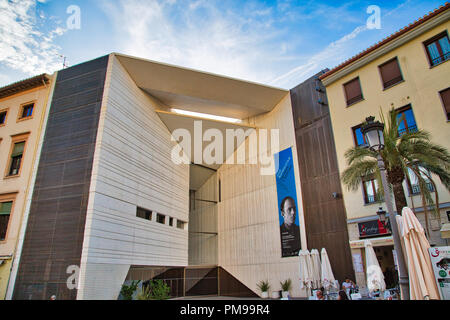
column 412, row 150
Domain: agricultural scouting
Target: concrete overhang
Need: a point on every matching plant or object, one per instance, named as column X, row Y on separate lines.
column 201, row 171
column 202, row 92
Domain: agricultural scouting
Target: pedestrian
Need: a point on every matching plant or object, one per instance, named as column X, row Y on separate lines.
column 53, row 297
column 342, row 295
column 319, row 295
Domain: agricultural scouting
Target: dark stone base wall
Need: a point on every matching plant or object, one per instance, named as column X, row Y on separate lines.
column 55, row 229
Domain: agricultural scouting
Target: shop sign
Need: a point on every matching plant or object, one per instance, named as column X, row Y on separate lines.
column 372, row 228
column 440, row 260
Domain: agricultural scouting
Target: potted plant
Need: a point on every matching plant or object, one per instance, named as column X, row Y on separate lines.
column 264, row 286
column 286, row 286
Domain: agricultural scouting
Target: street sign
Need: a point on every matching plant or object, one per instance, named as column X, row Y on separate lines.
column 440, row 260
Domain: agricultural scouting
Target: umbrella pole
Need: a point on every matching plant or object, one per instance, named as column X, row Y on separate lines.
column 403, row 275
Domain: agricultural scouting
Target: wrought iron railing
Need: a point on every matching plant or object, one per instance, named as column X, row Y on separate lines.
column 410, row 128
column 440, row 59
column 415, row 188
column 374, row 198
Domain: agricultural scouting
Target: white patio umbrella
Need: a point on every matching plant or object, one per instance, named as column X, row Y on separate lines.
column 305, row 273
column 316, row 268
column 327, row 277
column 422, row 285
column 375, row 277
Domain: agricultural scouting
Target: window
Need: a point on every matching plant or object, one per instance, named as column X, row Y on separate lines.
column 180, row 224
column 353, row 91
column 171, row 221
column 407, row 123
column 413, row 180
column 16, row 158
column 5, row 213
column 445, row 97
column 26, row 111
column 390, row 73
column 3, row 114
column 371, row 191
column 160, row 218
column 358, row 137
column 143, row 213
column 438, row 49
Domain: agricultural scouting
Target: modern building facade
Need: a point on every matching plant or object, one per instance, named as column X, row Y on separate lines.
column 23, row 107
column 408, row 71
column 122, row 186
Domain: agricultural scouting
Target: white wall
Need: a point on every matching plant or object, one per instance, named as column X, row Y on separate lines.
column 248, row 223
column 203, row 218
column 132, row 167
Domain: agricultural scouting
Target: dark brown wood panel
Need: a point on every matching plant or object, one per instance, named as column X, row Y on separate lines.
column 325, row 216
column 55, row 228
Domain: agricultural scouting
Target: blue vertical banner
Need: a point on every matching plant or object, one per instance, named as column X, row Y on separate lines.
column 287, row 203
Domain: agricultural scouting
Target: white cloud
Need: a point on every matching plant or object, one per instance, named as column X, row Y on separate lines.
column 198, row 35
column 334, row 52
column 23, row 46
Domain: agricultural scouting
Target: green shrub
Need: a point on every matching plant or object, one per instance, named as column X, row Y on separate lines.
column 155, row 290
column 127, row 291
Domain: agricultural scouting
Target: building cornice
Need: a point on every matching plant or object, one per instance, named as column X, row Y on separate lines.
column 24, row 85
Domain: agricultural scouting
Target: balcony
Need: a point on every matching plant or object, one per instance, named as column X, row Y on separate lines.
column 369, row 199
column 410, row 128
column 440, row 59
column 415, row 188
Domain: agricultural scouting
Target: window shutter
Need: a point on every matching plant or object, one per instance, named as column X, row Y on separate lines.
column 18, row 149
column 5, row 208
column 390, row 73
column 353, row 91
column 445, row 95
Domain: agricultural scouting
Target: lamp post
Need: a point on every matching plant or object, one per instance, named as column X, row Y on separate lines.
column 373, row 133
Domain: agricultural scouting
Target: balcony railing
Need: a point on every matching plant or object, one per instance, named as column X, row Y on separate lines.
column 411, row 128
column 415, row 188
column 374, row 198
column 440, row 59
column 354, row 99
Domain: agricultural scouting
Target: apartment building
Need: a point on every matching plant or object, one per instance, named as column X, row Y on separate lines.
column 23, row 107
column 408, row 71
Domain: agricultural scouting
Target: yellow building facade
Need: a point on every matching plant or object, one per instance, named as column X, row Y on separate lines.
column 23, row 106
column 405, row 72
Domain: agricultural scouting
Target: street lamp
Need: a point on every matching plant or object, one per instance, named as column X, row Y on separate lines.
column 373, row 133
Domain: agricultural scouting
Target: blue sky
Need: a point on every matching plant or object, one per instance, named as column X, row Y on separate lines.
column 279, row 43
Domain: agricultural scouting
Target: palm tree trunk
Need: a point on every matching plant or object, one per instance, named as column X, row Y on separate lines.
column 400, row 199
column 425, row 211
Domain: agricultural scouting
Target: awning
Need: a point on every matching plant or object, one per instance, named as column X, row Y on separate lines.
column 376, row 242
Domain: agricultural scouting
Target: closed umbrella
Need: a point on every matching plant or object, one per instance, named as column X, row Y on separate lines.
column 316, row 266
column 375, row 277
column 327, row 277
column 421, row 279
column 305, row 274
